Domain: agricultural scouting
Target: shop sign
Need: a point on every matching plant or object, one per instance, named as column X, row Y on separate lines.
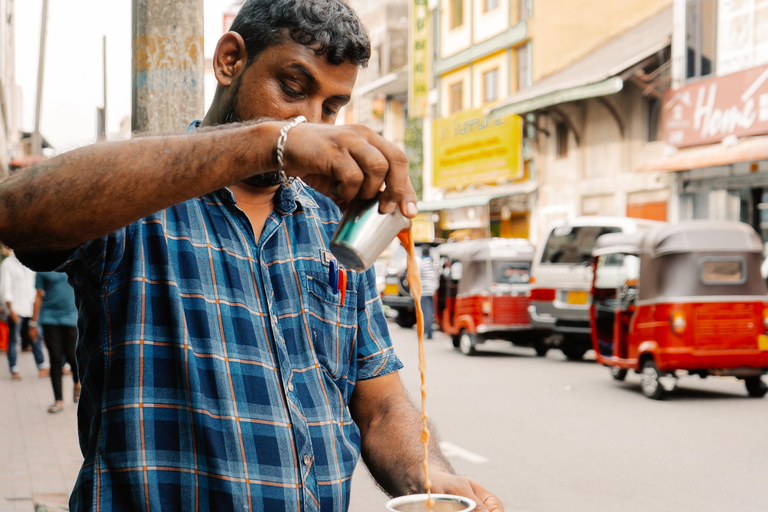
column 418, row 77
column 472, row 147
column 707, row 111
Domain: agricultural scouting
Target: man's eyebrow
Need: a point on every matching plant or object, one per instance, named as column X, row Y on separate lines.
column 313, row 82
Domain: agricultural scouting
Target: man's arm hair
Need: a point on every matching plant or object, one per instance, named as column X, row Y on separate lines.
column 390, row 429
column 60, row 203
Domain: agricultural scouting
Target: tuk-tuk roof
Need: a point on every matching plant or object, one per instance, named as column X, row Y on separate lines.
column 687, row 236
column 489, row 248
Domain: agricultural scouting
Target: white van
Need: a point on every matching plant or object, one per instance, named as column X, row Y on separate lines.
column 562, row 279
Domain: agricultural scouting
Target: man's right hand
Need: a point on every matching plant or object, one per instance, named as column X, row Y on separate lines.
column 345, row 162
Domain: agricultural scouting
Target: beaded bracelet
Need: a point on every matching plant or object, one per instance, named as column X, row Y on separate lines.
column 281, row 140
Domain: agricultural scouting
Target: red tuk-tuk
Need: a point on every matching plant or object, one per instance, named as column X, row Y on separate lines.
column 680, row 299
column 483, row 293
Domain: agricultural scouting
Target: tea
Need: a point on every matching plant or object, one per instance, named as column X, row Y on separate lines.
column 414, row 282
column 437, row 506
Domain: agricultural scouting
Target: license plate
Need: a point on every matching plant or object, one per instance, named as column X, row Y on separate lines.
column 391, row 289
column 578, row 298
column 762, row 342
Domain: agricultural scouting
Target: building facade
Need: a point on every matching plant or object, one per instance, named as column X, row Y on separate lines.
column 10, row 96
column 716, row 115
column 586, row 80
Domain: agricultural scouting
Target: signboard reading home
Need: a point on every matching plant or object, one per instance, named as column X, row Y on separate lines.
column 707, row 111
column 474, row 147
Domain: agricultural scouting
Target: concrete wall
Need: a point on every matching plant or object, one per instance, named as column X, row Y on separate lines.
column 598, row 176
column 564, row 31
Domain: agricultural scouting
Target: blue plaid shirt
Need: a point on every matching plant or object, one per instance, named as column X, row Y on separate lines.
column 217, row 368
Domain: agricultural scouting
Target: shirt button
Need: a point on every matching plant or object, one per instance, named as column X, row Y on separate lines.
column 290, row 386
column 307, row 460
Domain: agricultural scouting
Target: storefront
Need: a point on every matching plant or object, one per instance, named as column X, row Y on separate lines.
column 720, row 129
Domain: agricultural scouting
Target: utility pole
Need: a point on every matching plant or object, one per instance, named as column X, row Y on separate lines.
column 168, row 61
column 101, row 112
column 37, row 138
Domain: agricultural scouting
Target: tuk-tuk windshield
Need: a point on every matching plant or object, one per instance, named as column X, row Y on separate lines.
column 573, row 244
column 507, row 272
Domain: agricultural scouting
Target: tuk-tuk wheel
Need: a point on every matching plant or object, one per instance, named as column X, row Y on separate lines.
column 541, row 348
column 618, row 373
column 756, row 387
column 467, row 343
column 651, row 385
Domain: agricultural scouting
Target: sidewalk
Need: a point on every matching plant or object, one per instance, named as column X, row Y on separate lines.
column 39, row 452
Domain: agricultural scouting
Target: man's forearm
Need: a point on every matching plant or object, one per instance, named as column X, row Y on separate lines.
column 392, row 448
column 89, row 192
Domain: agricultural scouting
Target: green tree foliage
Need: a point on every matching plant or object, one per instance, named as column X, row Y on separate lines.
column 414, row 148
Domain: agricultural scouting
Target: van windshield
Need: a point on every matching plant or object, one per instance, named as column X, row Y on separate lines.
column 573, row 244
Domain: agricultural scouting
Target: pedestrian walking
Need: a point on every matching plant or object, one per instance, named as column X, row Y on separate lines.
column 56, row 313
column 429, row 284
column 221, row 366
column 17, row 289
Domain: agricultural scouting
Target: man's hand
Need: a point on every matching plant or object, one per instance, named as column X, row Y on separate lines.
column 345, row 162
column 446, row 483
column 15, row 318
column 33, row 332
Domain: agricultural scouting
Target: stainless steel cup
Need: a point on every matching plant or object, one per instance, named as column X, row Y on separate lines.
column 418, row 503
column 364, row 233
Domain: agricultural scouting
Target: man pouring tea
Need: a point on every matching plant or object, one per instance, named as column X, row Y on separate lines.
column 218, row 369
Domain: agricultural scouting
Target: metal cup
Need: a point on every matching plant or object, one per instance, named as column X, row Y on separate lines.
column 364, row 233
column 418, row 503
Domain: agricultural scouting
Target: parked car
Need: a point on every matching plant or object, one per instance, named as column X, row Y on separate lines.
column 682, row 299
column 396, row 293
column 562, row 278
column 483, row 292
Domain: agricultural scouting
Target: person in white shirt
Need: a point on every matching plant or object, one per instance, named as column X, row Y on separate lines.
column 428, row 287
column 17, row 291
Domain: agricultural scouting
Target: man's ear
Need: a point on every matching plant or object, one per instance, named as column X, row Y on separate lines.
column 230, row 58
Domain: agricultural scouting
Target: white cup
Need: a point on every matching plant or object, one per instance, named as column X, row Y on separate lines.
column 418, row 503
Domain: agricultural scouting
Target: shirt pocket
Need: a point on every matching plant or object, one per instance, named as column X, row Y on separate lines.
column 333, row 325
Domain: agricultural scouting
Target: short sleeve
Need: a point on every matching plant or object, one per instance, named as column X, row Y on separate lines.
column 101, row 257
column 375, row 354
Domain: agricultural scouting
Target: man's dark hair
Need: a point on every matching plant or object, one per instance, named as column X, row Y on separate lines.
column 329, row 27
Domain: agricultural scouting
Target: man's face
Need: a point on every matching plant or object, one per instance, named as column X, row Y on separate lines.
column 288, row 80
column 285, row 81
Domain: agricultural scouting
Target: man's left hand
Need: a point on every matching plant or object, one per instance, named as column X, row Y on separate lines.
column 446, row 483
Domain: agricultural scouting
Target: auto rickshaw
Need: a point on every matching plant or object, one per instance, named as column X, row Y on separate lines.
column 681, row 299
column 483, row 292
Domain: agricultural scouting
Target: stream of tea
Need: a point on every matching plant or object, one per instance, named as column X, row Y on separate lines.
column 414, row 282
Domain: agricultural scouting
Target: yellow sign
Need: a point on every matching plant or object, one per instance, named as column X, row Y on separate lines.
column 418, row 77
column 423, row 227
column 762, row 342
column 472, row 147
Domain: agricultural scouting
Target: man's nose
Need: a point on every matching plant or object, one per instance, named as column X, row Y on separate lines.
column 314, row 112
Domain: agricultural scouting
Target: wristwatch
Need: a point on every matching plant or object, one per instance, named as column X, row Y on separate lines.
column 32, row 323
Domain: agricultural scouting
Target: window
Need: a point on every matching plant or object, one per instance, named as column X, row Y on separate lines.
column 723, row 271
column 561, row 140
column 490, row 5
column 457, row 97
column 524, row 76
column 700, row 38
column 653, row 111
column 491, row 85
column 525, row 9
column 457, row 13
column 573, row 244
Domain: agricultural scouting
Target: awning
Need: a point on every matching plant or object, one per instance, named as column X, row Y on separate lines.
column 388, row 85
column 598, row 73
column 452, row 203
column 711, row 156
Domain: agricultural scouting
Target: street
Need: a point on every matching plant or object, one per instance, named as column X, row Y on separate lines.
column 545, row 434
column 550, row 435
